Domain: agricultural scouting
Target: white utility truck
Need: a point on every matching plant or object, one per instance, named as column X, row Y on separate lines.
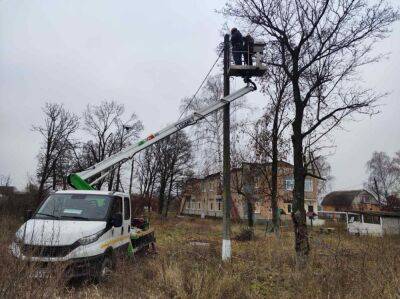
column 85, row 227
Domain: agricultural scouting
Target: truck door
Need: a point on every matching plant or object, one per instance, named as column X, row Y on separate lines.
column 117, row 209
column 127, row 216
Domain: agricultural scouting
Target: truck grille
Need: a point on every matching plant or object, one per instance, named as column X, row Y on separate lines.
column 47, row 251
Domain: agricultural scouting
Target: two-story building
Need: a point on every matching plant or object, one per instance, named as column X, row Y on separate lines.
column 203, row 196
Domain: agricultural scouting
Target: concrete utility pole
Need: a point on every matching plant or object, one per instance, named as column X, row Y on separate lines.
column 226, row 176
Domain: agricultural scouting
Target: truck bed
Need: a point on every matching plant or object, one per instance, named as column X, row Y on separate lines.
column 142, row 238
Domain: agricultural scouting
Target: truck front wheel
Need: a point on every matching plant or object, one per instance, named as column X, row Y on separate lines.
column 105, row 269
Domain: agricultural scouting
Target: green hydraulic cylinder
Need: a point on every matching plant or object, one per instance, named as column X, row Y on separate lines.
column 78, row 183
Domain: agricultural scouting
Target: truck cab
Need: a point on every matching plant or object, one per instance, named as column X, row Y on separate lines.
column 87, row 229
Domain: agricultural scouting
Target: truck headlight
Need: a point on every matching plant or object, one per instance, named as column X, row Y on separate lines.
column 16, row 245
column 90, row 239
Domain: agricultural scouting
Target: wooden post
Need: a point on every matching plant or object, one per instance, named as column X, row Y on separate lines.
column 226, row 219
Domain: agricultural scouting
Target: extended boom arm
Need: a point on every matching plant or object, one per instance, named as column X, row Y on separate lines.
column 79, row 180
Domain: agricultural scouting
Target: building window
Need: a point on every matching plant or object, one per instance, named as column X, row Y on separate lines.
column 203, row 188
column 211, row 206
column 219, row 203
column 289, row 208
column 289, row 183
column 365, row 198
column 194, row 204
column 308, row 185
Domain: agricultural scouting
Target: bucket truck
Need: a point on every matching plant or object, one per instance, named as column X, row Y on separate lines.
column 85, row 228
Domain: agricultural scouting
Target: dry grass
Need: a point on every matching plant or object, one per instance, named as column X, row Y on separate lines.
column 340, row 266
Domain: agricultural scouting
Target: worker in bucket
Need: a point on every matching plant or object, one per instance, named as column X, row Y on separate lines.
column 248, row 49
column 237, row 46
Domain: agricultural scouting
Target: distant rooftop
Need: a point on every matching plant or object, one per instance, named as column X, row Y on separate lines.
column 341, row 198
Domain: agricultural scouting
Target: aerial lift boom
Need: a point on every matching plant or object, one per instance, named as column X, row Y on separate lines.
column 80, row 181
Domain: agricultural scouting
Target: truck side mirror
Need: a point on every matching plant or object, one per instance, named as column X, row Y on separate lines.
column 116, row 220
column 28, row 215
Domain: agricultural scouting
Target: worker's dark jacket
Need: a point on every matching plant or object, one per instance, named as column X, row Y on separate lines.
column 248, row 43
column 237, row 40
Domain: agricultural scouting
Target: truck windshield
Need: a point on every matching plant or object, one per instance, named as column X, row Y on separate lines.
column 75, row 207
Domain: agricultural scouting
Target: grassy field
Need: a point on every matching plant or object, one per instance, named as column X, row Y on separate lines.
column 340, row 266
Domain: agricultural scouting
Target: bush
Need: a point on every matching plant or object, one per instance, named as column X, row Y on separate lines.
column 246, row 234
column 16, row 204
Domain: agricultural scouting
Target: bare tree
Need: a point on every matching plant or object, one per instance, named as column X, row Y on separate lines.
column 110, row 132
column 383, row 175
column 396, row 162
column 322, row 168
column 243, row 182
column 269, row 140
column 147, row 173
column 57, row 130
column 180, row 166
column 65, row 165
column 175, row 158
column 208, row 132
column 320, row 45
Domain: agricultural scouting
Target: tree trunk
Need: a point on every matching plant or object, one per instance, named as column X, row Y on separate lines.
column 43, row 178
column 64, row 182
column 54, row 178
column 118, row 180
column 161, row 195
column 250, row 212
column 302, row 246
column 274, row 177
column 40, row 191
column 248, row 193
column 111, row 180
column 168, row 198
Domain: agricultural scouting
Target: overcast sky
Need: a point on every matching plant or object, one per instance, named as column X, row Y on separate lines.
column 147, row 55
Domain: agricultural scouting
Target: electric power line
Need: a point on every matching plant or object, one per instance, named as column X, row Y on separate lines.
column 201, row 85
